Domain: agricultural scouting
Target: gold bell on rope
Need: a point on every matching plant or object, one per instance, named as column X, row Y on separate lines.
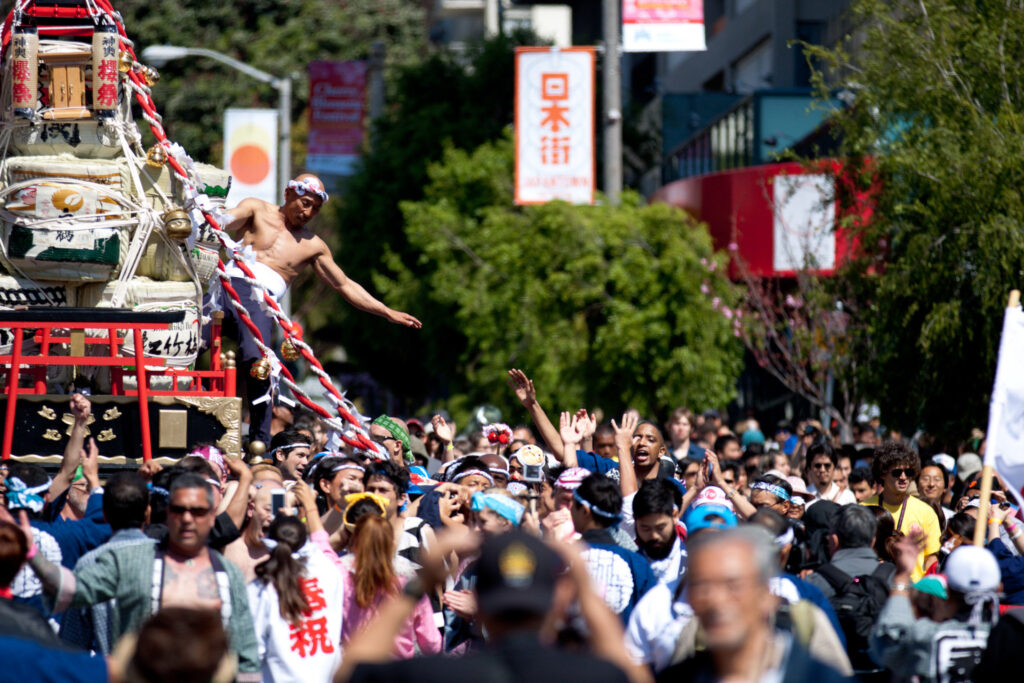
column 177, row 224
column 125, row 62
column 288, row 350
column 150, row 75
column 156, row 156
column 260, row 369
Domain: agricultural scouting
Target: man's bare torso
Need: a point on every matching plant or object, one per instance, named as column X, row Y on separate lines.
column 190, row 583
column 287, row 251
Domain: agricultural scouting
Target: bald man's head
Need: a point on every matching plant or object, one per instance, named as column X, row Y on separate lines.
column 303, row 199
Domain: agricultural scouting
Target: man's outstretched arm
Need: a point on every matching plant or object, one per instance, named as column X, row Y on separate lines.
column 241, row 216
column 354, row 293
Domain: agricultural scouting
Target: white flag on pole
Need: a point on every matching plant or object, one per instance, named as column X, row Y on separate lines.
column 1004, row 446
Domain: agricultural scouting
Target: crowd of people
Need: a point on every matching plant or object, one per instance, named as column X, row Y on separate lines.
column 568, row 548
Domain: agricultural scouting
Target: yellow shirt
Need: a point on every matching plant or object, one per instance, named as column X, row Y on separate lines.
column 921, row 515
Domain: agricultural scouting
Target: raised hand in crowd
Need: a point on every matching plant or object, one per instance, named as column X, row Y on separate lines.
column 624, row 434
column 527, row 395
column 81, row 409
column 445, row 431
column 587, row 426
column 569, row 429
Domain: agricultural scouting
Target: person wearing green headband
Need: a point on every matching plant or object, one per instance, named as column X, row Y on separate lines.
column 392, row 433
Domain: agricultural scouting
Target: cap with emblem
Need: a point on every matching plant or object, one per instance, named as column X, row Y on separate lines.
column 516, row 572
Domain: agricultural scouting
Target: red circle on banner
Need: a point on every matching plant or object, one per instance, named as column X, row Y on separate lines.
column 250, row 164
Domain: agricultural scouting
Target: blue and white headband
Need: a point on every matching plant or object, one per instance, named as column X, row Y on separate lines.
column 304, row 187
column 347, row 466
column 21, row 496
column 594, row 510
column 773, row 489
column 467, row 473
column 503, row 505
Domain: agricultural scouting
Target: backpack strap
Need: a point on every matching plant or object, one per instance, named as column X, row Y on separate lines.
column 884, row 572
column 836, row 577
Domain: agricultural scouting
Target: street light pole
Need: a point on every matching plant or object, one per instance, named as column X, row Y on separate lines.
column 612, row 84
column 158, row 55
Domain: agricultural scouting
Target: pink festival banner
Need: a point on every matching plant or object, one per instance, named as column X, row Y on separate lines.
column 663, row 25
column 337, row 107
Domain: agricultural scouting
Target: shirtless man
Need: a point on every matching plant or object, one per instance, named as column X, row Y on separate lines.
column 191, row 575
column 283, row 247
column 248, row 550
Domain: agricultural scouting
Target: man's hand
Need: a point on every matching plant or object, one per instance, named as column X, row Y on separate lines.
column 624, row 434
column 81, row 408
column 149, row 470
column 304, row 497
column 463, row 603
column 403, row 319
column 523, row 386
column 569, row 429
column 237, row 467
column 587, row 423
column 445, row 430
column 906, row 550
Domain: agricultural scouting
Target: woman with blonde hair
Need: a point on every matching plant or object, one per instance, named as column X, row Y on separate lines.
column 370, row 579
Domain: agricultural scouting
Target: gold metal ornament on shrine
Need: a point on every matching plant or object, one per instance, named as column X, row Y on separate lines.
column 156, row 157
column 289, row 350
column 150, row 75
column 125, row 62
column 260, row 369
column 177, row 224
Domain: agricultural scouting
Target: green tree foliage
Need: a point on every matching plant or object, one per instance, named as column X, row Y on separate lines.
column 278, row 36
column 600, row 305
column 465, row 99
column 937, row 93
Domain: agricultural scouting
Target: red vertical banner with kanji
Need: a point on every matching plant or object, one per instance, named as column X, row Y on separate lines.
column 554, row 128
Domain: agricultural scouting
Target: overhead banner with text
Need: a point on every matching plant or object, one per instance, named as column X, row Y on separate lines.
column 554, row 125
column 663, row 25
column 337, row 104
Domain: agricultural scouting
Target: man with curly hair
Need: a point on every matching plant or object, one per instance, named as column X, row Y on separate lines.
column 894, row 467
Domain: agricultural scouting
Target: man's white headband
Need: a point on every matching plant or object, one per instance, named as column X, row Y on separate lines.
column 304, row 187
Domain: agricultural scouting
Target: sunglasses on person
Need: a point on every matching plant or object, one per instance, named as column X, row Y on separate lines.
column 182, row 509
column 898, row 472
column 822, row 465
column 383, row 440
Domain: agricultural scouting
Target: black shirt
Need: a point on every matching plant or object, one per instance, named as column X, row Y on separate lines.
column 520, row 657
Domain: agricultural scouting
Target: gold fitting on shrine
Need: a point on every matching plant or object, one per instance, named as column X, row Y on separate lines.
column 156, row 157
column 260, row 369
column 229, row 359
column 125, row 62
column 177, row 224
column 150, row 75
column 288, row 350
column 257, row 448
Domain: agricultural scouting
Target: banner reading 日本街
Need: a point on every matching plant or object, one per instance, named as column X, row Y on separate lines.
column 663, row 25
column 554, row 125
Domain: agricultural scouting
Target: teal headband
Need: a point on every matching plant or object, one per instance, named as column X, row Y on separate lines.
column 503, row 505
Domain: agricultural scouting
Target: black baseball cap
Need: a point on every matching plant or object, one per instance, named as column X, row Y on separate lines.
column 516, row 572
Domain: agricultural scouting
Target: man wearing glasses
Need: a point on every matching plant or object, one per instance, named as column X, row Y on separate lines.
column 894, row 467
column 821, row 463
column 180, row 572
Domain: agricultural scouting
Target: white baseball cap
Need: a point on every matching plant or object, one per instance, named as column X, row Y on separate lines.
column 970, row 569
column 712, row 495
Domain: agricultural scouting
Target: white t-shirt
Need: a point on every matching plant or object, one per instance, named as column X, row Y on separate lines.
column 310, row 651
column 844, row 497
column 655, row 625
